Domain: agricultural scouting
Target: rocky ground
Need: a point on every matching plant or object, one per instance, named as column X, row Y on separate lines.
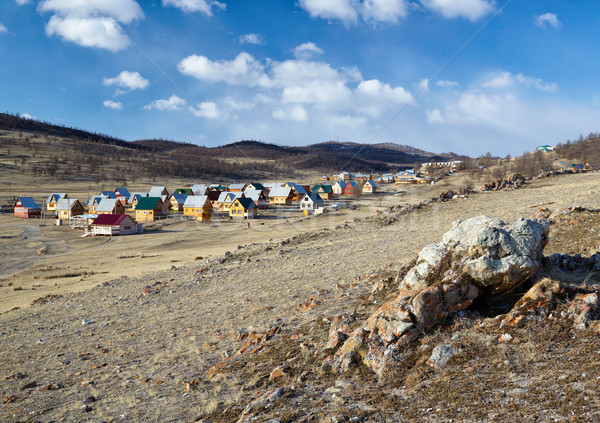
column 248, row 336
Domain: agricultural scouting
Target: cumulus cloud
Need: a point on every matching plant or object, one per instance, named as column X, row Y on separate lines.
column 202, row 6
column 547, row 19
column 251, row 39
column 294, row 113
column 243, row 70
column 173, row 103
column 128, row 81
column 26, row 116
column 470, row 9
column 3, row 29
column 115, row 105
column 507, row 79
column 306, row 50
column 91, row 24
column 330, row 9
column 384, row 10
column 206, row 109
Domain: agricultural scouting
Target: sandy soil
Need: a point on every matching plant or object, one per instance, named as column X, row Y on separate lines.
column 40, row 260
column 143, row 338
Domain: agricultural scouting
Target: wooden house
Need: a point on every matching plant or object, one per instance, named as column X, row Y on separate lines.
column 225, row 200
column 186, row 191
column 338, row 187
column 108, row 194
column 351, row 188
column 68, row 208
column 256, row 186
column 298, row 190
column 198, row 207
column 149, row 208
column 110, row 206
column 236, row 187
column 280, row 196
column 199, row 189
column 243, row 208
column 53, row 200
column 114, row 224
column 213, row 197
column 25, row 207
column 158, row 192
column 258, row 197
column 122, row 194
column 311, row 201
column 93, row 203
column 177, row 201
column 370, row 187
column 325, row 191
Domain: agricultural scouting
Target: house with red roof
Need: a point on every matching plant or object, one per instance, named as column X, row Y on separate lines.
column 114, row 224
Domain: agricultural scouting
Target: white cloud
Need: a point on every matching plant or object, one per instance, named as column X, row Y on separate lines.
column 384, row 10
column 206, row 109
column 3, row 29
column 470, row 9
column 423, row 85
column 447, row 83
column 243, row 70
column 91, row 24
column 507, row 79
column 23, row 2
column 26, row 116
column 378, row 90
column 294, row 113
column 115, row 105
column 202, row 6
column 173, row 103
column 251, row 39
column 547, row 19
column 127, row 80
column 330, row 9
column 306, row 50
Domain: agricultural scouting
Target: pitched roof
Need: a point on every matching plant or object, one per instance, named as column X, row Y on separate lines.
column 280, row 192
column 95, row 200
column 147, row 203
column 55, row 197
column 123, row 191
column 254, row 194
column 66, row 204
column 227, row 197
column 371, row 183
column 199, row 189
column 326, row 188
column 314, row 198
column 352, row 184
column 299, row 188
column 28, row 203
column 106, row 205
column 156, row 191
column 180, row 198
column 342, row 184
column 237, row 186
column 136, row 196
column 246, row 203
column 109, row 194
column 111, row 219
column 257, row 186
column 197, row 201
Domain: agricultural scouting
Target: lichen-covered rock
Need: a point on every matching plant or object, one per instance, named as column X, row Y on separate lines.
column 484, row 251
column 441, row 355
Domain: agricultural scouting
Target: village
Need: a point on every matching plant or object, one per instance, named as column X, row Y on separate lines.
column 121, row 212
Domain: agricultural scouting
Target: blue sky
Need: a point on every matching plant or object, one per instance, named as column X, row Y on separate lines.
column 468, row 76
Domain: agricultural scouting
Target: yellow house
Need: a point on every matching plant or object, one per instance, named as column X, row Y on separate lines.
column 198, row 207
column 54, row 199
column 243, row 208
column 148, row 209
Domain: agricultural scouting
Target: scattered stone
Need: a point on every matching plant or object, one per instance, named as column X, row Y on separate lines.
column 279, row 371
column 89, row 400
column 441, row 355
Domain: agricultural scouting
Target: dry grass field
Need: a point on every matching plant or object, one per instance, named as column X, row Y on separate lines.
column 198, row 340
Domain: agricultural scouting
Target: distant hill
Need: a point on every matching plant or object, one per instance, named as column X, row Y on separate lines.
column 246, row 158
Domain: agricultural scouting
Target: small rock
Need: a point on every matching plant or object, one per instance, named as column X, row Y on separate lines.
column 441, row 355
column 89, row 400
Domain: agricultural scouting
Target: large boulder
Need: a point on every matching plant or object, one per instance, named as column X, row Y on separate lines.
column 477, row 255
column 484, row 251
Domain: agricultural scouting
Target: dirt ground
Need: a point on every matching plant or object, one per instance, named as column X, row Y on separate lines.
column 156, row 347
column 39, row 260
